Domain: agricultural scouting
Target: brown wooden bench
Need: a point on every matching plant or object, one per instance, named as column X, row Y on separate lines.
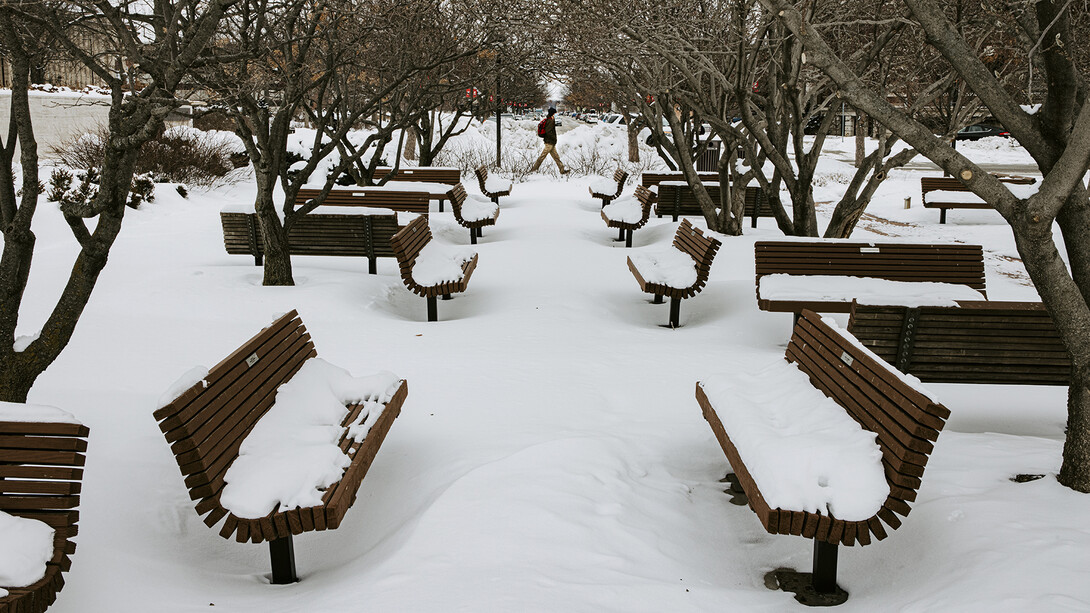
column 317, row 233
column 951, row 184
column 41, row 469
column 424, row 174
column 613, row 219
column 975, row 342
column 954, row 264
column 458, row 198
column 408, row 244
column 691, row 242
column 207, row 423
column 905, row 420
column 676, row 200
column 652, row 179
column 482, row 181
column 372, row 197
column 607, row 196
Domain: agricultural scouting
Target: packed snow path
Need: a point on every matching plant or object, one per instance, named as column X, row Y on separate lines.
column 551, row 455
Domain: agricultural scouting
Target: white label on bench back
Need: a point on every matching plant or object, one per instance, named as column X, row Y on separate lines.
column 847, row 359
column 250, row 361
column 869, row 250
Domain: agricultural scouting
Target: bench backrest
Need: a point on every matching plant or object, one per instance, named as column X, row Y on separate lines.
column 952, row 184
column 482, row 177
column 206, row 423
column 409, row 202
column 408, row 242
column 976, row 342
column 648, row 179
column 646, row 199
column 424, row 174
column 701, row 248
column 946, row 263
column 906, row 421
column 41, row 469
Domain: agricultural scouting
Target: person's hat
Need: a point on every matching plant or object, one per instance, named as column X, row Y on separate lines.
column 552, row 110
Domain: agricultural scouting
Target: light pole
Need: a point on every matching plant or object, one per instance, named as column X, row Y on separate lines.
column 499, row 109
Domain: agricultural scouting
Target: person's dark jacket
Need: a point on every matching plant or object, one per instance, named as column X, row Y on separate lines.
column 550, row 130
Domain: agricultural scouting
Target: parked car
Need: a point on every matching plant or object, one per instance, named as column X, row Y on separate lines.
column 980, row 131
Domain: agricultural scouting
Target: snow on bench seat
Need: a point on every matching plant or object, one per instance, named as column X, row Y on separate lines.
column 292, row 455
column 479, row 209
column 603, row 186
column 437, row 263
column 865, row 290
column 626, row 210
column 26, row 547
column 803, row 450
column 668, row 267
column 497, row 184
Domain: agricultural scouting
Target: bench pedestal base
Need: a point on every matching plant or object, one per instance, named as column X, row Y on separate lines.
column 817, row 589
column 282, row 552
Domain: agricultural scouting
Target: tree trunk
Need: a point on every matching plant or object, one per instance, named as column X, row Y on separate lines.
column 633, row 140
column 275, row 241
column 860, row 139
column 409, row 152
column 1075, row 470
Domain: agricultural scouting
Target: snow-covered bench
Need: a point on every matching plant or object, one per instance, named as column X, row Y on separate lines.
column 424, row 174
column 275, row 443
column 945, row 193
column 472, row 214
column 827, row 447
column 825, row 275
column 676, row 198
column 678, row 272
column 329, row 230
column 608, row 190
column 629, row 214
column 430, row 269
column 492, row 187
column 990, row 342
column 41, row 469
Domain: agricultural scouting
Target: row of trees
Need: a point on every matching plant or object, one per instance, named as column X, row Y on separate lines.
column 390, row 67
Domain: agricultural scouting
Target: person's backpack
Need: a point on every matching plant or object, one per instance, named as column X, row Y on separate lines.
column 541, row 127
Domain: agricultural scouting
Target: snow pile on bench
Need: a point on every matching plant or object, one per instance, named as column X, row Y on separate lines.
column 496, row 184
column 606, row 187
column 291, row 456
column 20, row 412
column 670, row 267
column 802, row 449
column 865, row 290
column 438, row 263
column 26, row 545
column 625, row 210
column 477, row 209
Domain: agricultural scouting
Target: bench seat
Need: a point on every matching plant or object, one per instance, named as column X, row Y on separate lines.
column 472, row 213
column 430, row 270
column 894, row 410
column 629, row 214
column 42, row 454
column 946, row 193
column 206, row 416
column 680, row 272
column 834, row 293
column 492, row 187
column 608, row 190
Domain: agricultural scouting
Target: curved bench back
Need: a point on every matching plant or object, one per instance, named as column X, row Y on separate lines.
column 906, row 421
column 701, row 248
column 207, row 423
column 40, row 478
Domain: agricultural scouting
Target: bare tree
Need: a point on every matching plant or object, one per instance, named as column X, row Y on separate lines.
column 152, row 48
column 1050, row 37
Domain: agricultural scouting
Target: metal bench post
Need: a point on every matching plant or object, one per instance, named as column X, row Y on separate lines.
column 433, row 309
column 620, row 234
column 282, row 552
column 628, row 239
column 472, row 236
column 675, row 312
column 824, row 577
column 942, row 215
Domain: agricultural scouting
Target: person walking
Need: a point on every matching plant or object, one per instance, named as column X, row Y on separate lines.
column 547, row 130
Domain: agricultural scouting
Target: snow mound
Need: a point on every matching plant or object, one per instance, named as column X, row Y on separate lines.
column 865, row 290
column 668, row 267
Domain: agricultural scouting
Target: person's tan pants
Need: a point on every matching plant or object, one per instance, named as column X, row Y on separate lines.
column 549, row 150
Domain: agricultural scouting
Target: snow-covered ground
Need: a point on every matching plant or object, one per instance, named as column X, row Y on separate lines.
column 551, row 455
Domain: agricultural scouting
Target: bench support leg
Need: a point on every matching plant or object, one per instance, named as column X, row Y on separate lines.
column 942, row 215
column 795, row 320
column 675, row 312
column 620, row 234
column 628, row 239
column 433, row 309
column 282, row 552
column 824, row 577
column 258, row 259
column 472, row 236
column 372, row 265
column 657, row 300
